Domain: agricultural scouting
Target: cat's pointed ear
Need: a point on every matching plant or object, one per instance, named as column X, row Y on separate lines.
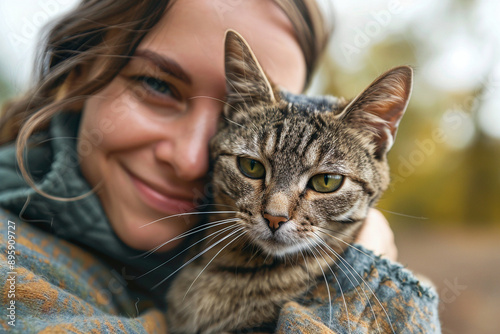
column 380, row 107
column 246, row 82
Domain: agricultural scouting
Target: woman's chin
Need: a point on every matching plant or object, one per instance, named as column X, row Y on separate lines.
column 148, row 234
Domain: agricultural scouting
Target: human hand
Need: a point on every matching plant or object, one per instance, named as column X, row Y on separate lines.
column 377, row 236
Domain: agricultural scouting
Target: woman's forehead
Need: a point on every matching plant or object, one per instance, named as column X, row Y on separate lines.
column 192, row 32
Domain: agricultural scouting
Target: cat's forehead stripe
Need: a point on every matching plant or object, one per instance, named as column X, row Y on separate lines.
column 292, row 139
column 311, row 154
column 306, row 146
column 269, row 143
column 283, row 134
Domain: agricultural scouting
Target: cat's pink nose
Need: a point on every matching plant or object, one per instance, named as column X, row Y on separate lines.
column 274, row 222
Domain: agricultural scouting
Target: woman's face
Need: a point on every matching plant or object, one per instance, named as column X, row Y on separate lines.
column 144, row 138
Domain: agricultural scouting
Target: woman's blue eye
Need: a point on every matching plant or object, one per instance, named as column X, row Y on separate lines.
column 157, row 85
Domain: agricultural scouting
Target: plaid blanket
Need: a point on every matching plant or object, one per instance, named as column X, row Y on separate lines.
column 53, row 286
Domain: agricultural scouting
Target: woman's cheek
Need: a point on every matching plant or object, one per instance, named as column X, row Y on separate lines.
column 111, row 120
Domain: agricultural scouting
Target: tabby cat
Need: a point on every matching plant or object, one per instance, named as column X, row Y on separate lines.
column 300, row 174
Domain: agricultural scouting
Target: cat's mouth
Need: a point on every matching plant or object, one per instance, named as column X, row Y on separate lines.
column 279, row 248
column 279, row 243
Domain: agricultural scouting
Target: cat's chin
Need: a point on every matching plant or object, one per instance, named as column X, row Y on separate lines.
column 281, row 249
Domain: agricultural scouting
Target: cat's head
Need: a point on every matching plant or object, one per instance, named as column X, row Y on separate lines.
column 301, row 170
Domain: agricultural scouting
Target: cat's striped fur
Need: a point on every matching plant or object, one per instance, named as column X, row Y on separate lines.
column 254, row 263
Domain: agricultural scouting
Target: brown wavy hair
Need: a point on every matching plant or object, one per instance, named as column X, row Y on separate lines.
column 108, row 32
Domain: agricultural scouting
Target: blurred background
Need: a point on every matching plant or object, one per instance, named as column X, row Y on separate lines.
column 444, row 200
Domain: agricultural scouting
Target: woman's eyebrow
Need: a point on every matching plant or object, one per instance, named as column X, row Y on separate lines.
column 166, row 64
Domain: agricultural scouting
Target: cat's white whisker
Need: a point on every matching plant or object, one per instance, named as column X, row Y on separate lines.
column 311, row 278
column 204, row 227
column 216, row 204
column 254, row 254
column 340, row 286
column 187, row 248
column 326, row 283
column 304, row 258
column 196, row 256
column 402, row 214
column 233, row 122
column 346, row 243
column 186, row 214
column 357, row 285
column 267, row 256
column 237, row 237
column 189, row 232
column 366, row 284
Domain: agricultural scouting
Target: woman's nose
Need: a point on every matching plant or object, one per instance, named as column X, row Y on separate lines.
column 189, row 147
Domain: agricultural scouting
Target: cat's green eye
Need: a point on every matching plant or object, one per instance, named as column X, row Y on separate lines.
column 251, row 168
column 326, row 183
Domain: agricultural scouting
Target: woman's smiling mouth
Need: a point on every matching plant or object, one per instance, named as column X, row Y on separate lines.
column 161, row 200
